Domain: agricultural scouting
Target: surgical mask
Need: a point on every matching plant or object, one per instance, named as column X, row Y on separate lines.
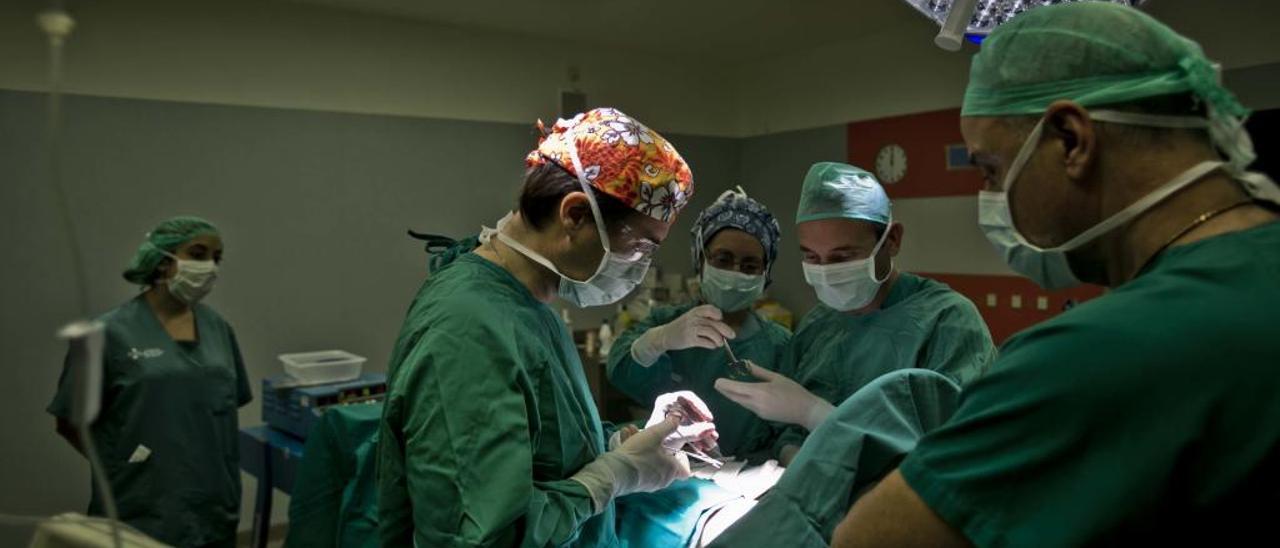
column 849, row 285
column 1048, row 267
column 193, row 280
column 615, row 277
column 728, row 290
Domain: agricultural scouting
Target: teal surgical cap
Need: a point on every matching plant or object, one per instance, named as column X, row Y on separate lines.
column 164, row 238
column 1098, row 53
column 840, row 191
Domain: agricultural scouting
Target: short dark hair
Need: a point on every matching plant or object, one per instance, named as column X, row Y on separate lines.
column 547, row 184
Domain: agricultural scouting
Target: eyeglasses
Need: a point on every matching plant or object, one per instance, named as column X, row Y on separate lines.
column 634, row 246
column 725, row 260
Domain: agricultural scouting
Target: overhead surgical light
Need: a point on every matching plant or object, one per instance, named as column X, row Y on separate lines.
column 975, row 19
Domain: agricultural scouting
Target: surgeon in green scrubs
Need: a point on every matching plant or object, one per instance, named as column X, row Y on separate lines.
column 735, row 244
column 872, row 319
column 172, row 380
column 1113, row 155
column 489, row 436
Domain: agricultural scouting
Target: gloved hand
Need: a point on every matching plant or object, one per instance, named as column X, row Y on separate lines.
column 777, row 398
column 622, row 434
column 700, row 327
column 640, row 464
column 697, row 426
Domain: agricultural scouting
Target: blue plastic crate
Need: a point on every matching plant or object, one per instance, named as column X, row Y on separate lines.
column 294, row 410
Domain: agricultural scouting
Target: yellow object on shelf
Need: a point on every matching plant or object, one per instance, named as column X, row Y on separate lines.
column 774, row 311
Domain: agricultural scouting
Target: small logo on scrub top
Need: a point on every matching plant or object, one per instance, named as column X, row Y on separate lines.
column 135, row 354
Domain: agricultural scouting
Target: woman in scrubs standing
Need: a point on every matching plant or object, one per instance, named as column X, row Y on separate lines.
column 172, row 380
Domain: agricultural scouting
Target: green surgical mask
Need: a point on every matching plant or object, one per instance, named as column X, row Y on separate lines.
column 730, row 291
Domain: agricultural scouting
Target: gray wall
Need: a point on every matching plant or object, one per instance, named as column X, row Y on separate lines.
column 773, row 166
column 313, row 207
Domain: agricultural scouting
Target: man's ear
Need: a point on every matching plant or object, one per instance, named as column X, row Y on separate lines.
column 1071, row 125
column 893, row 242
column 575, row 212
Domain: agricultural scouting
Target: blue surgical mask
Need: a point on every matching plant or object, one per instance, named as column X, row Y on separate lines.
column 730, row 291
column 1048, row 267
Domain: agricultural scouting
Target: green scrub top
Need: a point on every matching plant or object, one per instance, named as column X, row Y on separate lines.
column 696, row 370
column 1147, row 416
column 922, row 324
column 177, row 400
column 487, row 416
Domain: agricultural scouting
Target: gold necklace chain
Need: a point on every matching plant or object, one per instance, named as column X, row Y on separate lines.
column 1203, row 218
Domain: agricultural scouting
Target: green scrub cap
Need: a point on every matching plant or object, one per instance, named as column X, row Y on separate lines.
column 833, row 190
column 165, row 237
column 1098, row 53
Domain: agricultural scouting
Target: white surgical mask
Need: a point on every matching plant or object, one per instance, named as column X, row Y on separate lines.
column 615, row 277
column 1048, row 267
column 849, row 285
column 193, row 280
column 728, row 290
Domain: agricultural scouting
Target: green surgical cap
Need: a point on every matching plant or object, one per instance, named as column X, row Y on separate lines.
column 833, row 190
column 165, row 237
column 1098, row 53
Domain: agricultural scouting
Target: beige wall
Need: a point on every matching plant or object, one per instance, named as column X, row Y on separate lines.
column 279, row 54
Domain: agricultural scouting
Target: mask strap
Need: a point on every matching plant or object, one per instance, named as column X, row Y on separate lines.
column 1024, row 155
column 532, row 255
column 487, row 234
column 1227, row 132
column 1149, row 120
column 1112, row 116
column 595, row 208
column 1125, row 215
column 179, row 260
column 735, row 191
column 883, row 238
column 162, row 250
column 586, row 188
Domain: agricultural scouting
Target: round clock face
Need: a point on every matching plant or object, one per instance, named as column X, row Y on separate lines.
column 891, row 164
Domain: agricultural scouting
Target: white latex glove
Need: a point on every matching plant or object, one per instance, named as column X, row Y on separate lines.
column 700, row 327
column 640, row 464
column 697, row 426
column 622, row 434
column 777, row 398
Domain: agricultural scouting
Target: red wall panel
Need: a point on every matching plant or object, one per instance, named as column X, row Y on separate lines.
column 1004, row 318
column 925, row 138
